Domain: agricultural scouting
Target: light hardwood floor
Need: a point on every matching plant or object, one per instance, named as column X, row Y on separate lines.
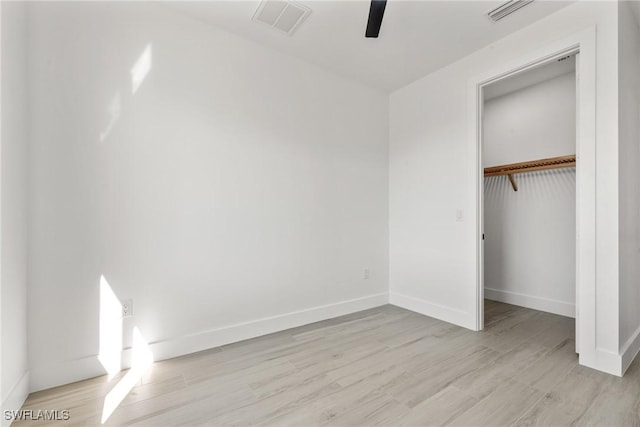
column 384, row 366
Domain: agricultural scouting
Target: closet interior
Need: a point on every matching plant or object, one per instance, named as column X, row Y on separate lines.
column 529, row 202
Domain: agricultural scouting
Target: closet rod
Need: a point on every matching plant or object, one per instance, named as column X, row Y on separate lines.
column 531, row 166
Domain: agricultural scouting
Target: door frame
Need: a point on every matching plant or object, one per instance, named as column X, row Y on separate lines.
column 583, row 43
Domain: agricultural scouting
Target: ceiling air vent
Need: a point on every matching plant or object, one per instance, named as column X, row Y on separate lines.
column 284, row 16
column 507, row 9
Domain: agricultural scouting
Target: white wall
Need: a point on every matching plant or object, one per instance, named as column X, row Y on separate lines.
column 530, row 235
column 236, row 184
column 629, row 87
column 13, row 177
column 432, row 256
column 535, row 122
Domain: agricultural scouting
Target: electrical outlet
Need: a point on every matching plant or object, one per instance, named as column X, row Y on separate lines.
column 365, row 274
column 127, row 308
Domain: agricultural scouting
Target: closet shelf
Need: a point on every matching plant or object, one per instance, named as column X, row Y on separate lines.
column 535, row 165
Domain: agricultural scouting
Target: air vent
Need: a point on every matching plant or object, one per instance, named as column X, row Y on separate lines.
column 284, row 16
column 507, row 9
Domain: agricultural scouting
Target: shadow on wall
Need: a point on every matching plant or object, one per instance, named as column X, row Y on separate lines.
column 530, row 234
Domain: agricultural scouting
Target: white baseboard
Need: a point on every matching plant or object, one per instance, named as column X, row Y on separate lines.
column 16, row 398
column 530, row 301
column 630, row 350
column 440, row 312
column 64, row 372
column 87, row 367
column 602, row 360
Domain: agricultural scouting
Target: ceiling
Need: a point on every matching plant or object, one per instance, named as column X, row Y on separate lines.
column 417, row 37
column 530, row 77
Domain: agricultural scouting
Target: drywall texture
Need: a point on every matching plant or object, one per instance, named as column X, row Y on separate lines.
column 13, row 168
column 213, row 181
column 530, row 235
column 629, row 87
column 432, row 254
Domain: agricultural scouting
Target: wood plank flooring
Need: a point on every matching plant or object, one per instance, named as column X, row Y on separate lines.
column 384, row 366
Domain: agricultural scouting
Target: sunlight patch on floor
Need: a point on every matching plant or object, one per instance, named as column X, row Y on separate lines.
column 142, row 359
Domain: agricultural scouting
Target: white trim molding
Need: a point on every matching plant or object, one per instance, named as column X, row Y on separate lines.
column 52, row 375
column 16, row 397
column 602, row 360
column 530, row 301
column 437, row 311
column 630, row 350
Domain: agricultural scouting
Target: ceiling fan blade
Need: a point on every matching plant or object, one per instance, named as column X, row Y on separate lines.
column 376, row 12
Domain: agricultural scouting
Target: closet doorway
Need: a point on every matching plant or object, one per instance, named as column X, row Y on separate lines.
column 582, row 46
column 528, row 157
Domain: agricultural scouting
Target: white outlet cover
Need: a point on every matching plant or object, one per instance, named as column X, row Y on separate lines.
column 127, row 308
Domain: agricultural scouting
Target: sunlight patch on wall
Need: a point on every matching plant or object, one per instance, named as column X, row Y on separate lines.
column 113, row 110
column 110, row 329
column 141, row 360
column 140, row 69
